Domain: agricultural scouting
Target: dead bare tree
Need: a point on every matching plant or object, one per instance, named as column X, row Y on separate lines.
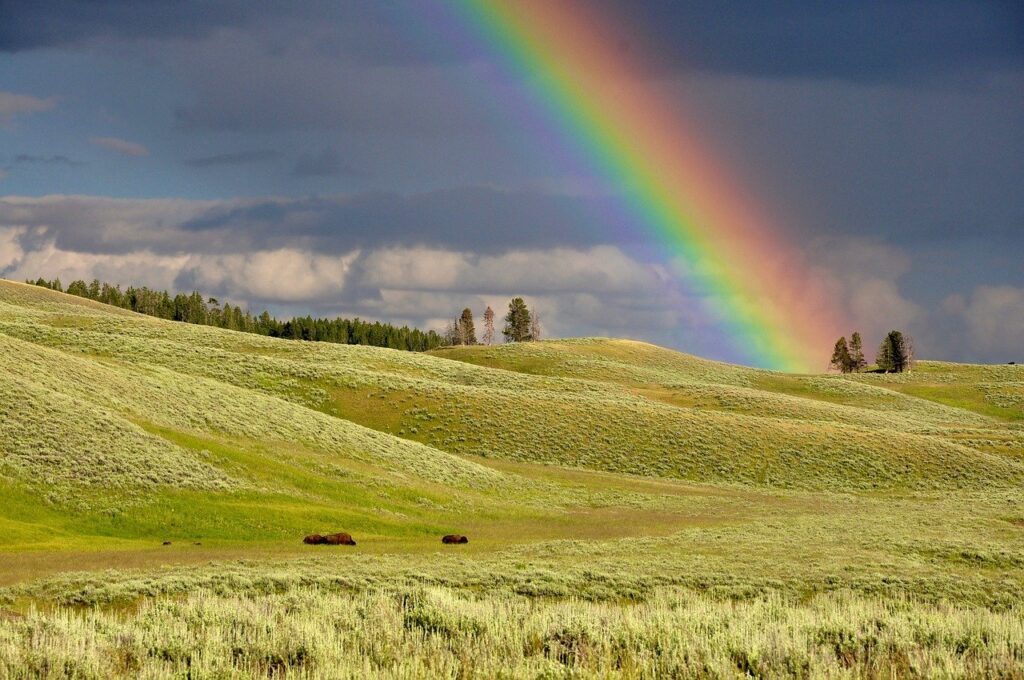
column 488, row 335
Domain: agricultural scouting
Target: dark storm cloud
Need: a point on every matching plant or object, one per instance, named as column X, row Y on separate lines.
column 28, row 24
column 327, row 163
column 28, row 159
column 480, row 219
column 872, row 40
column 352, row 29
column 234, row 158
column 241, row 86
column 863, row 40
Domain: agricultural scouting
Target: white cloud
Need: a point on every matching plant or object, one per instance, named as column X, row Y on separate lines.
column 121, row 146
column 10, row 248
column 993, row 318
column 586, row 290
column 598, row 290
column 285, row 275
column 863, row 279
column 269, row 276
column 12, row 105
column 600, row 269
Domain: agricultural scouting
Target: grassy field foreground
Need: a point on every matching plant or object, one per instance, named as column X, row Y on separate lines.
column 633, row 511
column 440, row 632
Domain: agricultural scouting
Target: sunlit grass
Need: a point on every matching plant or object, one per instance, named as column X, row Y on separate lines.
column 631, row 510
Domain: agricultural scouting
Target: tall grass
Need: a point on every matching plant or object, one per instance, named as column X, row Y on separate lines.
column 447, row 633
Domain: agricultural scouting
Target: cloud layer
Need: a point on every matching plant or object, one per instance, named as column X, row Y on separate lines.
column 596, row 289
column 121, row 146
column 13, row 105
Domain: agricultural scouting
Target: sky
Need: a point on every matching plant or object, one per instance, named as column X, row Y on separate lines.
column 360, row 159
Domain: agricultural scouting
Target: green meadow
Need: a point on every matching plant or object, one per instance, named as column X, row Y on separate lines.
column 632, row 511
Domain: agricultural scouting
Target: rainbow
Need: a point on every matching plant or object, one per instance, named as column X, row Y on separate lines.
column 769, row 304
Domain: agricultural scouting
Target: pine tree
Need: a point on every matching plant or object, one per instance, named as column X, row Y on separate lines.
column 488, row 336
column 857, row 360
column 841, row 356
column 466, row 327
column 883, row 357
column 892, row 354
column 197, row 309
column 79, row 288
column 517, row 321
column 898, row 351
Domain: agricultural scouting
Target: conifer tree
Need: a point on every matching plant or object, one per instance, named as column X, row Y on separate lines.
column 892, row 354
column 197, row 309
column 517, row 321
column 79, row 288
column 488, row 336
column 857, row 360
column 841, row 356
column 883, row 357
column 898, row 351
column 466, row 327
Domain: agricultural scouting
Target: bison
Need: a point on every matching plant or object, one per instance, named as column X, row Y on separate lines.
column 313, row 539
column 454, row 538
column 339, row 539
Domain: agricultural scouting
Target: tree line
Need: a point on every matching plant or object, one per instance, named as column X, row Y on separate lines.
column 895, row 354
column 521, row 325
column 198, row 309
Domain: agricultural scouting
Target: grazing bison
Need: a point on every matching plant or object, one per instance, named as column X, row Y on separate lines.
column 339, row 539
column 313, row 539
column 454, row 538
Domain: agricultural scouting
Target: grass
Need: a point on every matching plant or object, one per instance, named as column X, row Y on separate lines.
column 438, row 632
column 632, row 511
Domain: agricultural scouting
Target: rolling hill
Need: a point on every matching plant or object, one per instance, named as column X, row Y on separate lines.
column 106, row 410
column 597, row 468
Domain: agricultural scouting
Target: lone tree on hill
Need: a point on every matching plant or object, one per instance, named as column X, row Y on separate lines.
column 841, row 356
column 892, row 353
column 857, row 360
column 488, row 336
column 466, row 329
column 517, row 321
column 908, row 345
column 534, row 324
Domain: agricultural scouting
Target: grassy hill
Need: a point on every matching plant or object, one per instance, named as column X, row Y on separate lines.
column 606, row 469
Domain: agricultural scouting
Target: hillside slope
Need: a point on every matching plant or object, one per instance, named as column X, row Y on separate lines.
column 121, row 427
